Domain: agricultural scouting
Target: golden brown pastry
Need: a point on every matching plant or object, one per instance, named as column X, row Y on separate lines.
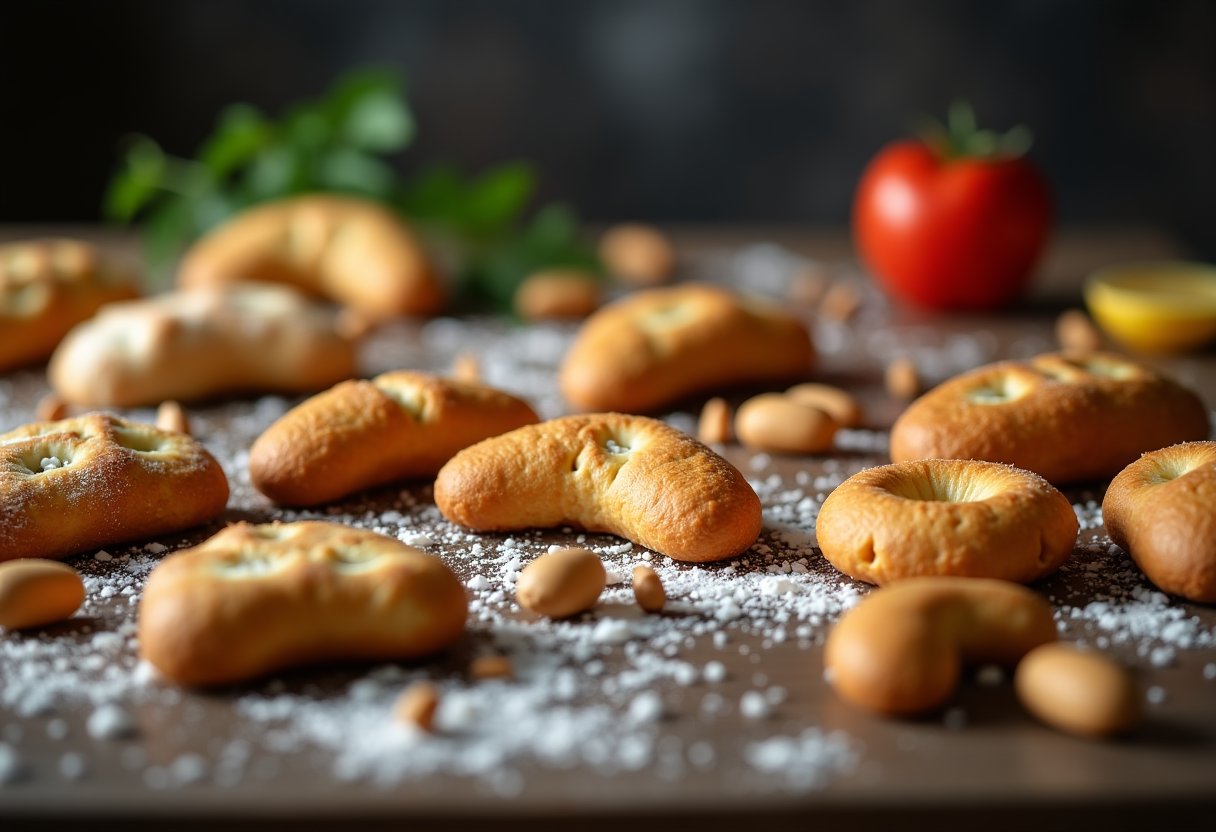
column 657, row 346
column 1068, row 417
column 557, row 293
column 46, row 288
column 608, row 472
column 1161, row 510
column 948, row 517
column 202, row 343
column 256, row 599
column 400, row 425
column 352, row 251
column 97, row 480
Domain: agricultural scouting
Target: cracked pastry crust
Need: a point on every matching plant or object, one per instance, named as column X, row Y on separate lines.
column 46, row 288
column 96, row 480
column 255, row 599
column 197, row 344
column 359, row 434
column 946, row 517
column 658, row 346
column 1069, row 417
column 627, row 475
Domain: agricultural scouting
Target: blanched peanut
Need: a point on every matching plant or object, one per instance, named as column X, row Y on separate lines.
column 900, row 651
column 714, row 425
column 171, row 416
column 648, row 589
column 562, row 583
column 808, row 284
column 1075, row 331
column 840, row 302
column 773, row 422
column 557, row 294
column 466, row 368
column 417, row 705
column 637, row 254
column 839, row 404
column 491, row 667
column 51, row 408
column 1079, row 693
column 902, row 379
column 35, row 592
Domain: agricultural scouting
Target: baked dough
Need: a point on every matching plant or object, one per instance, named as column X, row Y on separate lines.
column 202, row 343
column 1069, row 417
column 95, row 480
column 1161, row 510
column 607, row 472
column 46, row 288
column 256, row 599
column 352, row 251
column 948, row 517
column 400, row 425
column 658, row 346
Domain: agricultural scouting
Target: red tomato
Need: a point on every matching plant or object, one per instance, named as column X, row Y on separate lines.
column 959, row 233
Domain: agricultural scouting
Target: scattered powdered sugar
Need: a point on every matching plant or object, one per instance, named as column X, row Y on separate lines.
column 614, row 690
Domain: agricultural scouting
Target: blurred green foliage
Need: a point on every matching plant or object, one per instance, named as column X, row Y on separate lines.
column 337, row 143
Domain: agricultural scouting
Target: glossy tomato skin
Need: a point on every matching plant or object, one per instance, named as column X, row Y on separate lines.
column 961, row 233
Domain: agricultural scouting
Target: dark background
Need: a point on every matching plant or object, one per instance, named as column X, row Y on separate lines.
column 662, row 110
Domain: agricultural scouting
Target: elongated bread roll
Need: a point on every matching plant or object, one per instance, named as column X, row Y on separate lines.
column 399, row 425
column 256, row 599
column 657, row 346
column 1069, row 417
column 202, row 343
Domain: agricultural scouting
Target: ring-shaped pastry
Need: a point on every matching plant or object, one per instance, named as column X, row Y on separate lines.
column 946, row 517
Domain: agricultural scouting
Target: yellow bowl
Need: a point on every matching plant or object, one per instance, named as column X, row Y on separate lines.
column 1160, row 307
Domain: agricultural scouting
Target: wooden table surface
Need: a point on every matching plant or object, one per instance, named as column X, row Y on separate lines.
column 980, row 761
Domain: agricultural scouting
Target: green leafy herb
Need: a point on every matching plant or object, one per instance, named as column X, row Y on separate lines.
column 337, row 144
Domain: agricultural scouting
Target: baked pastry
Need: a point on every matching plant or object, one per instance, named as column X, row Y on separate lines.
column 96, row 480
column 352, row 251
column 202, row 343
column 46, row 288
column 947, row 517
column 400, row 425
column 605, row 472
column 255, row 599
column 657, row 346
column 1161, row 510
column 1069, row 417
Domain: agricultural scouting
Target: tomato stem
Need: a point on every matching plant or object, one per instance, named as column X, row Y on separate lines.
column 960, row 138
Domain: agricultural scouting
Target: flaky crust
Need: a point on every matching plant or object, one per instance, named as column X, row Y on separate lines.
column 1069, row 417
column 900, row 651
column 119, row 481
column 400, row 425
column 255, row 599
column 946, row 517
column 608, row 472
column 1161, row 510
column 202, row 343
column 350, row 250
column 657, row 346
column 46, row 288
